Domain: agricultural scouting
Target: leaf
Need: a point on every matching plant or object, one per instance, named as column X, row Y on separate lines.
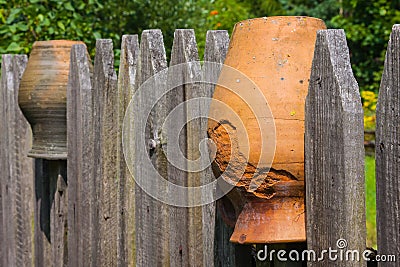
column 16, row 38
column 13, row 14
column 13, row 28
column 97, row 35
column 13, row 47
column 46, row 22
column 22, row 26
column 81, row 6
column 38, row 29
column 79, row 32
column 61, row 25
column 69, row 7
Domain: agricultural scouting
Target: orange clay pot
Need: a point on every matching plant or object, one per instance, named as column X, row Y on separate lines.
column 43, row 97
column 276, row 53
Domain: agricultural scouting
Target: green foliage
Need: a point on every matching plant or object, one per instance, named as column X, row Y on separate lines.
column 367, row 26
column 369, row 105
column 263, row 8
column 200, row 15
column 24, row 22
column 370, row 197
column 323, row 9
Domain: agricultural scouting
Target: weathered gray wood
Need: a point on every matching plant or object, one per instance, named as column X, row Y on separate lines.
column 213, row 227
column 388, row 153
column 151, row 216
column 105, row 101
column 16, row 179
column 81, row 186
column 334, row 152
column 126, row 189
column 55, row 172
column 186, row 223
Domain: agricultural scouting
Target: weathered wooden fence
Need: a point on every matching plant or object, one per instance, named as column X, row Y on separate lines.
column 99, row 217
column 388, row 152
column 334, row 150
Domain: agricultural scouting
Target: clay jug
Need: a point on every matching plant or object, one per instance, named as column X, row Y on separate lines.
column 43, row 97
column 276, row 54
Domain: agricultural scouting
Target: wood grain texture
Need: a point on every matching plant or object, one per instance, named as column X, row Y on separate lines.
column 216, row 233
column 126, row 189
column 388, row 153
column 334, row 153
column 186, row 223
column 16, row 180
column 55, row 177
column 105, row 101
column 151, row 216
column 81, row 186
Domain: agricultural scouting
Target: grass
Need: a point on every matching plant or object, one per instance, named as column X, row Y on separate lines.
column 370, row 197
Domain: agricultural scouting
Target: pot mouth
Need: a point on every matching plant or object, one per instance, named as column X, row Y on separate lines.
column 271, row 221
column 288, row 18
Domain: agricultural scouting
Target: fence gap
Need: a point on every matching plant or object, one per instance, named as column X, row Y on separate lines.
column 334, row 152
column 387, row 152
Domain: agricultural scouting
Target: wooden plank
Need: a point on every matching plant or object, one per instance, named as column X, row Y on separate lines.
column 55, row 172
column 8, row 190
column 186, row 223
column 105, row 100
column 81, row 187
column 334, row 155
column 214, row 228
column 126, row 189
column 16, row 181
column 151, row 216
column 388, row 153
